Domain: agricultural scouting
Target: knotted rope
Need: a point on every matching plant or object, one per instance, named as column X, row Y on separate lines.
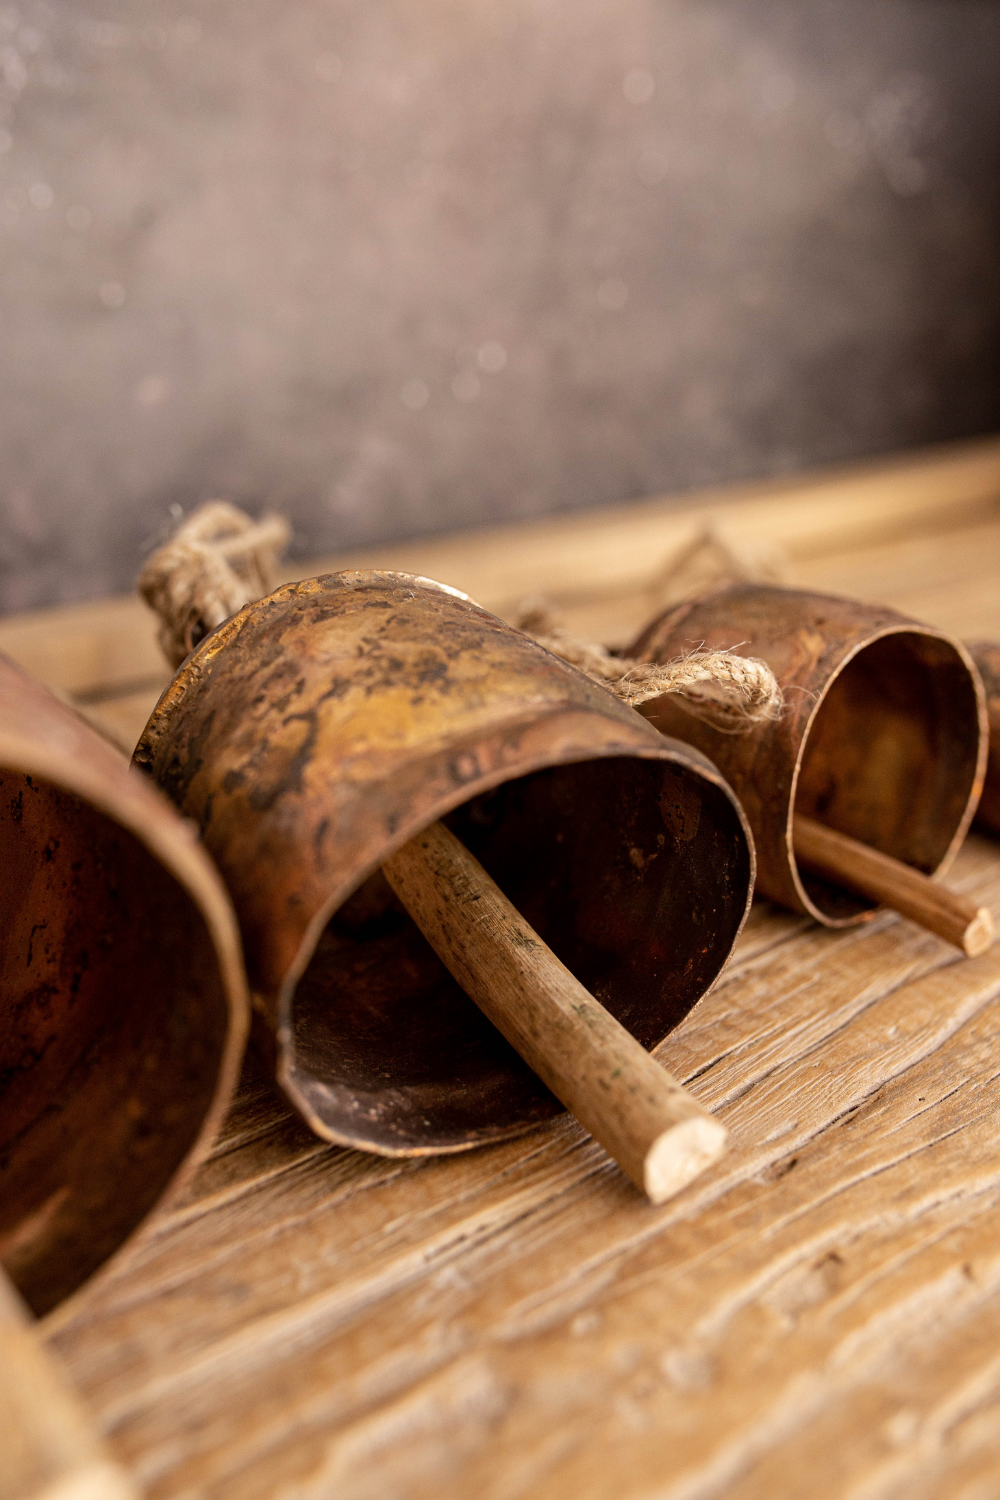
column 216, row 562
column 744, row 690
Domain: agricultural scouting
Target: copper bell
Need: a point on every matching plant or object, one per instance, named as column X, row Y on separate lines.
column 319, row 729
column 986, row 656
column 882, row 736
column 124, row 1004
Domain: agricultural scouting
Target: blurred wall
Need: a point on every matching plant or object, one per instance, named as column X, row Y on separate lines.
column 405, row 265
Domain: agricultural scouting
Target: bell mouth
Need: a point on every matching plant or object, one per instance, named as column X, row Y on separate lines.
column 893, row 755
column 636, row 870
column 116, row 1021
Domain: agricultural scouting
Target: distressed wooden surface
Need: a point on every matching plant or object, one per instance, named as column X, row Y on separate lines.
column 819, row 1315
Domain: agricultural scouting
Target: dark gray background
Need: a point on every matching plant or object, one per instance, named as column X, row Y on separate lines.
column 406, row 265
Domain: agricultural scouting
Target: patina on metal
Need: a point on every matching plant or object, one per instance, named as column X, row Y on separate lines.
column 986, row 655
column 319, row 729
column 883, row 734
column 123, row 1008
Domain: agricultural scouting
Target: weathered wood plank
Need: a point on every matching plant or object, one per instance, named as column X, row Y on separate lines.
column 948, row 578
column 364, row 1327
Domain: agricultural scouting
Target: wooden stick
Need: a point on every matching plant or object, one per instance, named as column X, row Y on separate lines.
column 48, row 1450
column 891, row 883
column 660, row 1136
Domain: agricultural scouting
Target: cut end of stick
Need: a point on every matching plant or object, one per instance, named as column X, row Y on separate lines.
column 681, row 1154
column 979, row 934
column 881, row 878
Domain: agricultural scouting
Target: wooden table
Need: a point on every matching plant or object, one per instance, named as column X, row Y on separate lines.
column 818, row 1316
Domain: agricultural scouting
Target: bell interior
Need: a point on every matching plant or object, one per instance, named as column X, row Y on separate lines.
column 891, row 757
column 113, row 1024
column 634, row 871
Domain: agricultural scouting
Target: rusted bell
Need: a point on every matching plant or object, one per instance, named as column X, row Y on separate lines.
column 986, row 655
column 124, row 1008
column 316, row 731
column 882, row 736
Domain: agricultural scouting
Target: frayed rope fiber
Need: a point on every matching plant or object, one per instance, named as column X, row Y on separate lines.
column 741, row 689
column 217, row 561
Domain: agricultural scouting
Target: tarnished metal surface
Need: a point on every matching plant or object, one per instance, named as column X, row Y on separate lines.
column 986, row 655
column 320, row 728
column 123, row 1007
column 882, row 737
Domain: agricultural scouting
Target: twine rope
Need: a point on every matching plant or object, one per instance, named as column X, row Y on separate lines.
column 217, row 561
column 738, row 688
column 712, row 558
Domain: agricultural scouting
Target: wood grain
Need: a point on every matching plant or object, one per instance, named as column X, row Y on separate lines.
column 818, row 1315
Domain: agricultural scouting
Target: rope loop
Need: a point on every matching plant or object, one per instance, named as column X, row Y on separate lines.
column 736, row 692
column 217, row 561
